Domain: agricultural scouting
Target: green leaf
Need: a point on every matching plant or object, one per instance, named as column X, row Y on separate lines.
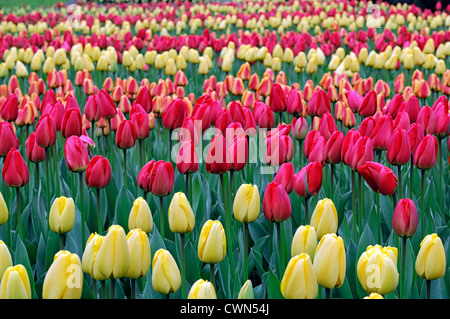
column 273, row 290
column 21, row 257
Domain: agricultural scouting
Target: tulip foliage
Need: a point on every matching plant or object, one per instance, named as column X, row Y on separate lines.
column 160, row 150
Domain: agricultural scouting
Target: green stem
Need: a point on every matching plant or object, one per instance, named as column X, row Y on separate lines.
column 422, row 202
column 125, row 168
column 440, row 193
column 245, row 251
column 183, row 267
column 133, row 289
column 19, row 213
column 227, row 220
column 428, row 282
column 83, row 236
column 327, row 293
column 399, row 177
column 55, row 163
column 380, row 239
column 306, row 210
column 94, row 289
column 411, row 176
column 99, row 214
column 113, row 288
column 360, row 201
column 161, row 215
column 402, row 277
column 354, row 204
column 61, row 241
column 280, row 248
column 212, row 276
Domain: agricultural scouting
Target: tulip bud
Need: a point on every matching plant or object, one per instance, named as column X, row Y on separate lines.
column 113, row 259
column 276, row 203
column 98, row 172
column 299, row 280
column 218, row 160
column 399, row 148
column 8, row 138
column 15, row 171
column 71, row 123
column 93, row 245
column 299, row 128
column 166, row 276
column 181, row 217
column 212, row 242
column 140, row 216
column 126, row 135
column 10, row 108
column 62, row 215
column 430, row 260
column 246, row 205
column 379, row 177
column 140, row 253
column 405, row 218
column 324, row 218
column 202, row 289
column 330, row 261
column 426, row 153
column 304, row 241
column 64, row 278
column 15, row 283
column 308, row 181
column 4, row 213
column 377, row 269
column 76, row 154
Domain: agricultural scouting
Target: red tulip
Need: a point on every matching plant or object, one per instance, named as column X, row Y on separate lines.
column 237, row 112
column 57, row 112
column 250, row 123
column 310, row 139
column 162, row 178
column 276, row 203
column 8, row 138
column 294, row 103
column 285, row 176
column 361, row 152
column 141, row 124
column 412, row 107
column 76, row 154
column 71, row 123
column 427, row 119
column 174, row 114
column 379, row 177
column 191, row 129
column 15, row 171
column 426, row 153
column 381, row 134
column 402, row 120
column 187, row 160
column 319, row 103
column 92, row 108
column 366, row 127
column 238, row 149
column 218, row 159
column 308, row 181
column 368, row 105
column 394, row 105
column 442, row 116
column 299, row 128
column 276, row 152
column 107, row 106
column 317, row 150
column 126, row 135
column 10, row 108
column 144, row 99
column 327, row 125
column 34, row 152
column 277, row 99
column 98, row 172
column 405, row 218
column 143, row 177
column 353, row 100
column 399, row 148
column 333, row 148
column 415, row 135
column 46, row 131
column 48, row 99
column 223, row 120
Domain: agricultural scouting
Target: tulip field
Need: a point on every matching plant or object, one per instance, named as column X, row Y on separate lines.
column 224, row 150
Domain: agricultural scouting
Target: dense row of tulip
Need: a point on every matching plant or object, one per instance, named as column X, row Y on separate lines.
column 235, row 150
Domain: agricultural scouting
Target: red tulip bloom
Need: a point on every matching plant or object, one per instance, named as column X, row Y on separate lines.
column 34, row 152
column 415, row 135
column 294, row 103
column 299, row 128
column 48, row 99
column 327, row 125
column 333, row 148
column 276, row 203
column 71, row 123
column 187, row 160
column 15, row 171
column 250, row 123
column 143, row 177
column 317, row 150
column 126, row 135
column 361, row 152
column 191, row 129
column 8, row 138
column 162, row 179
column 353, row 100
column 238, row 149
column 368, row 105
column 237, row 112
column 223, row 120
column 319, row 103
column 174, row 114
column 379, row 177
column 381, row 134
column 405, row 219
column 308, row 181
column 366, row 127
column 46, row 131
column 442, row 116
column 218, row 159
column 347, row 145
column 412, row 107
column 277, row 99
column 141, row 125
column 92, row 108
column 76, row 154
column 399, row 148
column 10, row 108
column 98, row 172
column 402, row 120
column 285, row 176
column 144, row 99
column 107, row 106
column 426, row 153
column 427, row 119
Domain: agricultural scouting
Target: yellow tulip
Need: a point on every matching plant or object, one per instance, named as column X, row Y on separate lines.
column 140, row 253
column 363, row 54
column 202, row 289
column 93, row 245
column 276, row 64
column 49, row 65
column 62, row 215
column 60, row 56
column 140, row 216
column 150, row 57
column 299, row 280
column 127, row 59
column 21, row 70
column 334, row 63
column 268, row 60
column 15, row 283
column 212, row 242
column 227, row 64
column 181, row 217
column 374, row 295
column 170, row 68
column 330, row 262
column 440, row 67
column 28, row 55
column 311, row 67
column 324, row 218
column 429, row 46
column 203, row 66
column 304, row 241
column 288, row 55
column 3, row 70
column 5, row 258
column 430, row 261
column 377, row 269
column 36, row 63
column 246, row 291
column 166, row 276
column 4, row 213
column 102, row 64
column 278, row 52
column 64, row 278
column 408, row 61
column 194, row 56
column 180, row 62
column 139, row 62
column 247, row 204
column 113, row 258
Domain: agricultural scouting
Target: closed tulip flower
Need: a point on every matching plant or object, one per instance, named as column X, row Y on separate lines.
column 299, row 280
column 106, row 104
column 377, row 269
column 62, row 215
column 161, row 179
column 141, row 125
column 381, row 134
column 181, row 217
column 10, row 108
column 430, row 260
column 15, row 283
column 379, row 177
column 64, row 278
column 324, row 218
column 330, row 261
column 126, row 135
column 299, row 128
column 368, row 105
column 15, row 171
column 166, row 276
column 361, row 152
column 276, row 203
column 278, row 101
column 399, row 148
column 71, row 123
column 246, row 205
column 405, row 218
column 319, row 103
column 308, row 181
column 304, row 241
column 5, row 258
column 285, row 176
column 212, row 242
column 202, row 289
column 76, row 154
column 140, row 253
column 4, row 213
column 93, row 245
column 8, row 138
column 34, row 152
column 333, row 148
column 426, row 153
column 218, row 160
column 46, row 131
column 98, row 172
column 113, row 259
column 140, row 216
